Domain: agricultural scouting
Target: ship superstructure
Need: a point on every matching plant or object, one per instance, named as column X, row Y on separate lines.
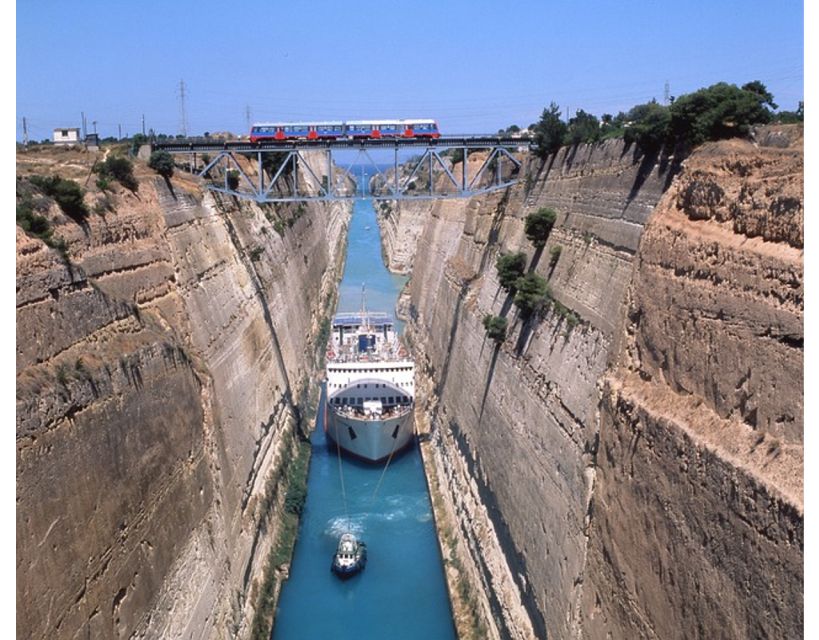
column 370, row 386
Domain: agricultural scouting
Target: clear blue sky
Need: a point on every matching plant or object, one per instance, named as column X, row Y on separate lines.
column 475, row 66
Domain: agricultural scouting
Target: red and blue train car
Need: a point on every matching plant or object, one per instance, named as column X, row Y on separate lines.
column 353, row 129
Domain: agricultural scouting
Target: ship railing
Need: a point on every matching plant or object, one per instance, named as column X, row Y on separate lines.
column 352, row 412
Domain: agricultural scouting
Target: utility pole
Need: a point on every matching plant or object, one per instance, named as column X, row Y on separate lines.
column 667, row 92
column 25, row 133
column 247, row 116
column 94, row 122
column 119, row 128
column 143, row 124
column 82, row 114
column 183, row 118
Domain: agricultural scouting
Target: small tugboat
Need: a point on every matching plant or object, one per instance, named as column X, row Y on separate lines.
column 350, row 558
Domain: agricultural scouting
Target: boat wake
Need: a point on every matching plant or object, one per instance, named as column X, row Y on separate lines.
column 341, row 524
column 397, row 508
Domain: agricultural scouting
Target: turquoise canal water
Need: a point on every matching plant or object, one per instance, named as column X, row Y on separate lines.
column 401, row 594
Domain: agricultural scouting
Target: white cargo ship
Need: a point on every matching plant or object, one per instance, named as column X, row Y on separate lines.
column 370, row 387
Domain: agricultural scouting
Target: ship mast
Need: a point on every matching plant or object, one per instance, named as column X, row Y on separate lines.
column 364, row 319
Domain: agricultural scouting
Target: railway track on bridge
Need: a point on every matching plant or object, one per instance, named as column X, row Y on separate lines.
column 244, row 146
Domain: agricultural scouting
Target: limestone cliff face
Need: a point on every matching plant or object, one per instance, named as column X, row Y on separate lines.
column 158, row 371
column 515, row 427
column 582, row 517
column 697, row 527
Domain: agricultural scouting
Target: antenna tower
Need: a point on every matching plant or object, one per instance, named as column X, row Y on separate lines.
column 183, row 116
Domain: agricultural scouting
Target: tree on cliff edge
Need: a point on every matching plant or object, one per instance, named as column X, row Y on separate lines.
column 161, row 162
column 720, row 111
column 549, row 131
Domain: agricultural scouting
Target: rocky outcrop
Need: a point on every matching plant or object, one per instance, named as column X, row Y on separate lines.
column 580, row 484
column 698, row 515
column 159, row 370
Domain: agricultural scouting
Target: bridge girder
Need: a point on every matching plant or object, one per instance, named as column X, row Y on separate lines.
column 285, row 173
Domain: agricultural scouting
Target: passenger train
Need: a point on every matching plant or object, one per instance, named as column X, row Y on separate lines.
column 350, row 130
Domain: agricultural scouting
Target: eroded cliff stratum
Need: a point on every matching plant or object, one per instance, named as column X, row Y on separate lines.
column 636, row 474
column 161, row 367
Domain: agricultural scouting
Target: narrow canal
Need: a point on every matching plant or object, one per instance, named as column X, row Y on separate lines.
column 401, row 594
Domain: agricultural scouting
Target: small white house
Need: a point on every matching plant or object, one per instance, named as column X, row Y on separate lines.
column 70, row 135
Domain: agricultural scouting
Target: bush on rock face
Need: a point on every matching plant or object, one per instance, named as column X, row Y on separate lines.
column 495, row 327
column 66, row 193
column 120, row 169
column 531, row 295
column 510, row 267
column 539, row 225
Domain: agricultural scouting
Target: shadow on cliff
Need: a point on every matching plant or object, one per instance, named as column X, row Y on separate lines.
column 489, row 377
column 667, row 159
column 647, row 161
column 527, row 327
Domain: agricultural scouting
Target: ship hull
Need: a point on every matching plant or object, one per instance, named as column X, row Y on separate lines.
column 370, row 440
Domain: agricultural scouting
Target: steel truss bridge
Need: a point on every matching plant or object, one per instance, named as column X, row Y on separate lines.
column 306, row 170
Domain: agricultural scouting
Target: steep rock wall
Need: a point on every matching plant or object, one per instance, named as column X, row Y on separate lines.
column 515, row 427
column 158, row 376
column 698, row 517
column 636, row 475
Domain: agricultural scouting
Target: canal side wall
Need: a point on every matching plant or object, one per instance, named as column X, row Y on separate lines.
column 159, row 371
column 547, row 447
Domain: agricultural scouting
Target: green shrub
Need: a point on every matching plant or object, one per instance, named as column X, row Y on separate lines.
column 612, row 126
column 571, row 318
column 720, row 111
column 137, row 141
column 456, row 155
column 791, row 117
column 103, row 184
column 162, row 162
column 256, row 254
column 510, row 267
column 233, row 179
column 33, row 223
column 66, row 193
column 539, row 225
column 120, row 169
column 648, row 126
column 531, row 294
column 495, row 327
column 549, row 131
column 62, row 374
column 584, row 127
column 554, row 254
